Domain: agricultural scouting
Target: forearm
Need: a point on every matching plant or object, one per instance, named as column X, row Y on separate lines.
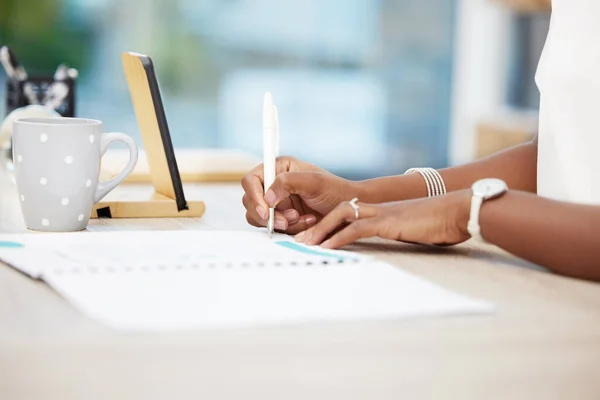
column 563, row 237
column 516, row 166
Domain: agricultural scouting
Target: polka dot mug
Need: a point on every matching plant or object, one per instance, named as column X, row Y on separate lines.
column 57, row 165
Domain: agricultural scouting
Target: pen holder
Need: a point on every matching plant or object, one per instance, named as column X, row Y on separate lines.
column 40, row 90
column 35, row 90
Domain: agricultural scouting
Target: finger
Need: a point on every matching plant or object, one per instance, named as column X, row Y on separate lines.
column 253, row 185
column 304, row 222
column 251, row 215
column 253, row 188
column 328, row 224
column 286, row 184
column 292, row 216
column 341, row 215
column 281, row 224
column 286, row 208
column 283, row 164
column 360, row 229
column 285, row 204
column 281, row 220
column 289, row 210
column 254, row 221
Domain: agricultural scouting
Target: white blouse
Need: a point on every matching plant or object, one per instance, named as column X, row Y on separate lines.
column 568, row 78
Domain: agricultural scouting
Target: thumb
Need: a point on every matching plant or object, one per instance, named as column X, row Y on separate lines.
column 300, row 183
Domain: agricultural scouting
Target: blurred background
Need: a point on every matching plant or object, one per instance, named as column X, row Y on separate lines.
column 364, row 87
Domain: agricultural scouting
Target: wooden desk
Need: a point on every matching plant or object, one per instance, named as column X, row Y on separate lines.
column 543, row 343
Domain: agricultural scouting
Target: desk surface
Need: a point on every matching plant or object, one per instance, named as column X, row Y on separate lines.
column 543, row 342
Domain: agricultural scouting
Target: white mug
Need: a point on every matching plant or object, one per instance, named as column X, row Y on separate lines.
column 57, row 166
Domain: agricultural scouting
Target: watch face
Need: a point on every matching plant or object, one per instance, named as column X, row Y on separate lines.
column 489, row 188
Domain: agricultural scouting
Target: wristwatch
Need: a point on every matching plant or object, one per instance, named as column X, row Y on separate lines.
column 485, row 189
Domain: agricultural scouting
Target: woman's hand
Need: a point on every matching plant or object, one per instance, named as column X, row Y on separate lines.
column 302, row 194
column 440, row 220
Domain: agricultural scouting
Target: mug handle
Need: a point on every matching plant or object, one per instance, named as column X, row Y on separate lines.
column 107, row 186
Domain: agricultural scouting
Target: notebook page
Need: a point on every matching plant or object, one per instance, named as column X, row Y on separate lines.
column 34, row 253
column 153, row 281
column 209, row 298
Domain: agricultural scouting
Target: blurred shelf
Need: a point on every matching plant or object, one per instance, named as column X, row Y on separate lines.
column 508, row 128
column 528, row 5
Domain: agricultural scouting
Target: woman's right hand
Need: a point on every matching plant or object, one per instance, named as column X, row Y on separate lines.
column 302, row 194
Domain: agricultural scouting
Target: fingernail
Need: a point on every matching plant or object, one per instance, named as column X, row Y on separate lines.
column 291, row 215
column 300, row 236
column 270, row 197
column 261, row 212
column 311, row 220
column 326, row 244
column 280, row 224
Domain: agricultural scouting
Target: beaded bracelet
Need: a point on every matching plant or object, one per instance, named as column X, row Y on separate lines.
column 433, row 179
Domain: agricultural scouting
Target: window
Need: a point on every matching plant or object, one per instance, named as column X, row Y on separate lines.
column 363, row 86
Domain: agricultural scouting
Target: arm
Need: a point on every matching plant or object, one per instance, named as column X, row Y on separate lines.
column 304, row 193
column 563, row 237
column 516, row 166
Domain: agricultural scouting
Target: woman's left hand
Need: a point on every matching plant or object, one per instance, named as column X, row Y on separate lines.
column 439, row 220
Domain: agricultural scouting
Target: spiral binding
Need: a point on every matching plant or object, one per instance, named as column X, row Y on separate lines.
column 110, row 268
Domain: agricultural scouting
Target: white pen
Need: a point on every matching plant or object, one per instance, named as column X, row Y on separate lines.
column 9, row 61
column 61, row 73
column 270, row 144
column 56, row 94
column 30, row 92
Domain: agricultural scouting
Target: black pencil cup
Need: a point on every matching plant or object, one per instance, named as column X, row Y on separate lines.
column 16, row 98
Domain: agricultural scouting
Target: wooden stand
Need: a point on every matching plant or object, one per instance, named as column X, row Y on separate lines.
column 158, row 206
column 168, row 200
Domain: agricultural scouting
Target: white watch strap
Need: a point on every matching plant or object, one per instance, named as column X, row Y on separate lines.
column 473, row 225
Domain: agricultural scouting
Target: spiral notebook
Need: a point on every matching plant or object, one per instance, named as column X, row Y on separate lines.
column 180, row 280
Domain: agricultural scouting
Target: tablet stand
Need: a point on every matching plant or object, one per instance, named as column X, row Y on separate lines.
column 168, row 200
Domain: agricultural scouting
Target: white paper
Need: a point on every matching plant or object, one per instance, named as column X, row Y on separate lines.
column 149, row 281
column 44, row 252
